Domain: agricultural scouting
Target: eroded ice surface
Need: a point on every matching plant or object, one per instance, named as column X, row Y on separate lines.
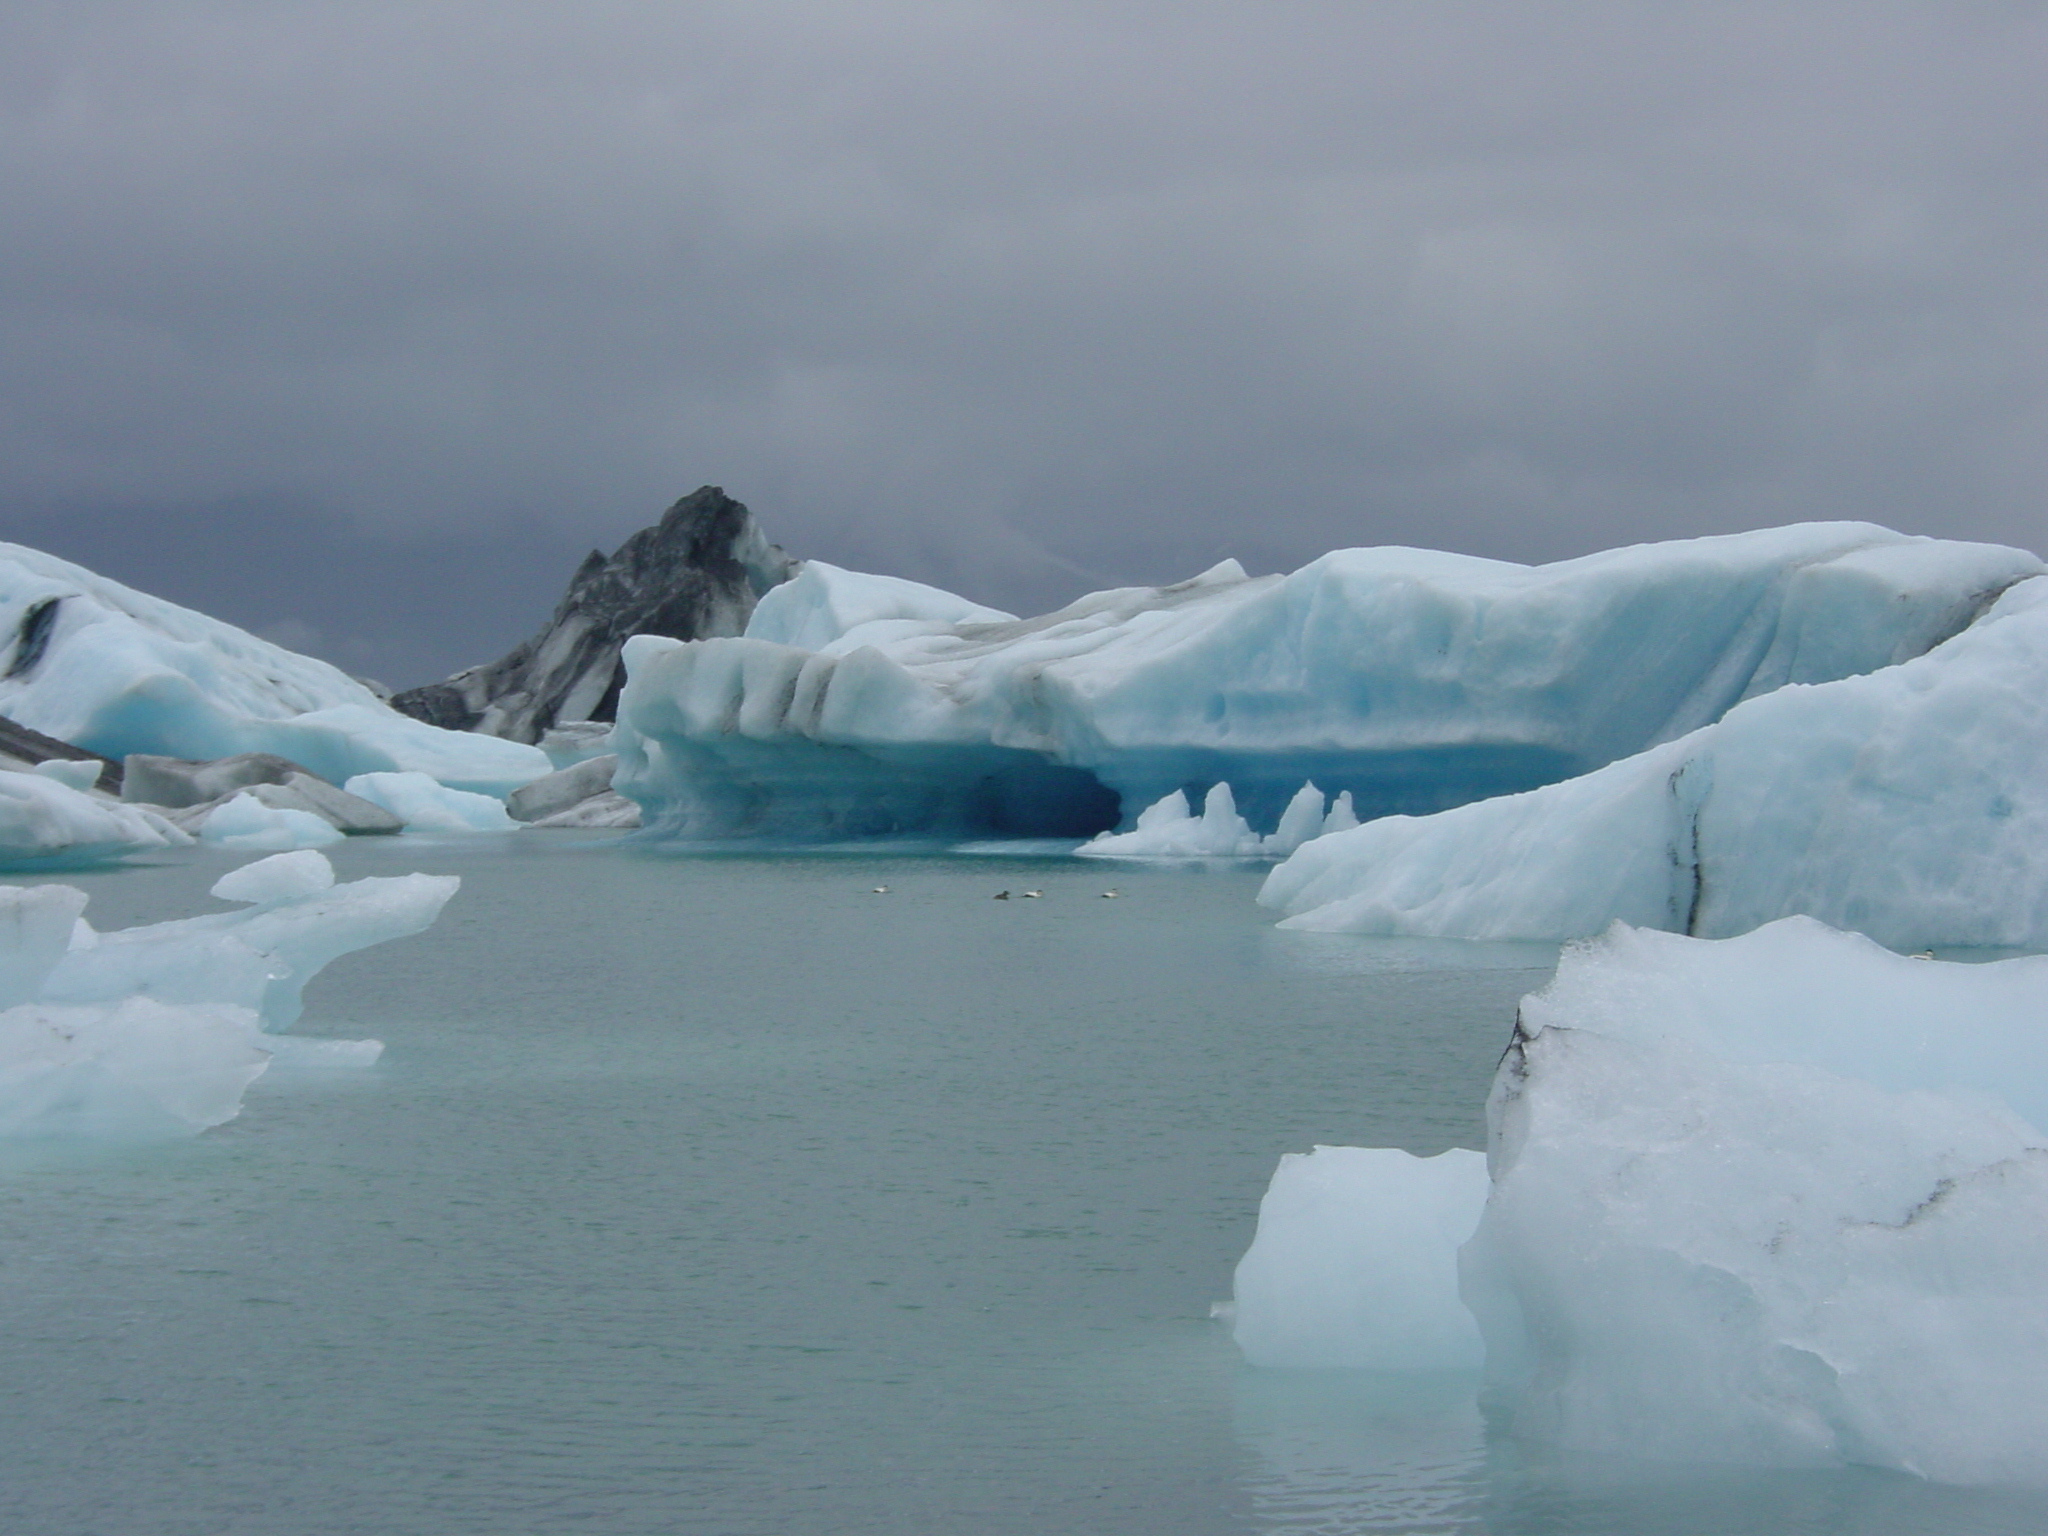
column 1413, row 679
column 115, row 671
column 158, row 1030
column 1907, row 804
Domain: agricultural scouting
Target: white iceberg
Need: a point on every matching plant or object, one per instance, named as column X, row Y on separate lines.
column 47, row 821
column 1908, row 804
column 1169, row 828
column 426, row 806
column 243, row 821
column 95, row 663
column 1413, row 680
column 1355, row 1263
column 1773, row 1200
column 158, row 1030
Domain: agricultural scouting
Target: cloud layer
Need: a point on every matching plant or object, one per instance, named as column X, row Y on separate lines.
column 1016, row 298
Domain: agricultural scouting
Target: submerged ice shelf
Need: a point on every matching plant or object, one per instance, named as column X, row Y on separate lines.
column 153, row 1031
column 1412, row 680
column 1776, row 1200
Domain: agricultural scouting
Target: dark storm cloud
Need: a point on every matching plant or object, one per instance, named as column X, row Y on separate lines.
column 1015, row 298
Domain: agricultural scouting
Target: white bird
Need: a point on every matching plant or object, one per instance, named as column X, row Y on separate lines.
column 881, row 890
column 1029, row 894
column 1107, row 894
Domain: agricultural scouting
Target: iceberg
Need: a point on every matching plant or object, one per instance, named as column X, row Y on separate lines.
column 1355, row 1264
column 426, row 806
column 1169, row 829
column 1411, row 680
column 158, row 1030
column 48, row 823
column 114, row 671
column 1775, row 1200
column 1907, row 804
column 1724, row 1228
column 244, row 821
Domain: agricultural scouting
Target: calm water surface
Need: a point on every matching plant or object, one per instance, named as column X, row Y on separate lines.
column 724, row 1195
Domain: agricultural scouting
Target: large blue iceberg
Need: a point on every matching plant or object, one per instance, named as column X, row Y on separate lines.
column 1908, row 804
column 1411, row 680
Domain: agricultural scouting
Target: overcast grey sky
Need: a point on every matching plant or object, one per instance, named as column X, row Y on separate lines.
column 358, row 322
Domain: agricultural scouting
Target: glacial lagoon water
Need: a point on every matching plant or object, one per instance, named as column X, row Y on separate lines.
column 727, row 1195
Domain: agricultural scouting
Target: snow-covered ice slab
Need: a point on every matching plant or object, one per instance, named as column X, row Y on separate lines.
column 115, row 671
column 1908, row 804
column 1414, row 680
column 158, row 1030
column 1729, row 1224
column 47, row 823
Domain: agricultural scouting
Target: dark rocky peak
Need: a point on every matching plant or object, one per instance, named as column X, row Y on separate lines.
column 695, row 574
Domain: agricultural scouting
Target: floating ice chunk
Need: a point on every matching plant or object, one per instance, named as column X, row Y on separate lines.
column 259, row 958
column 1908, row 804
column 45, row 822
column 246, row 822
column 158, row 1030
column 1356, row 1262
column 81, row 774
column 1723, row 1226
column 132, row 1070
column 37, row 925
column 281, row 877
column 426, row 806
column 1301, row 822
column 1168, row 829
column 1342, row 818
